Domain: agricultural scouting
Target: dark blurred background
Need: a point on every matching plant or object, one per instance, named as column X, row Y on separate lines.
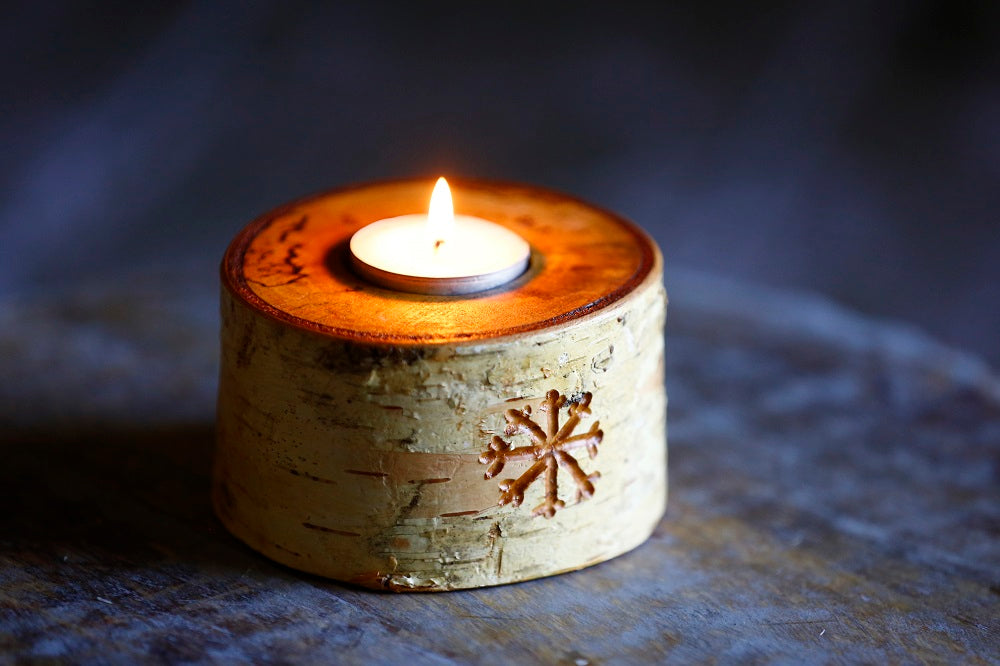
column 848, row 148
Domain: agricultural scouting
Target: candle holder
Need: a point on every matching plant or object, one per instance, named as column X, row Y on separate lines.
column 417, row 442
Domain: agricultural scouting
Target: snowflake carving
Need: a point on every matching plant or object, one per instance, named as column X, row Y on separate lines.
column 549, row 450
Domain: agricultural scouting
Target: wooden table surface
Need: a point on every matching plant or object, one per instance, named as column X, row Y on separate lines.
column 835, row 497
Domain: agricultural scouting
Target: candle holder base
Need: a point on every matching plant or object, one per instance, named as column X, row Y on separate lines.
column 422, row 443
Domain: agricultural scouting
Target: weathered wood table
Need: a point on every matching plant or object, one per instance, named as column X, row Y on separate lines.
column 835, row 497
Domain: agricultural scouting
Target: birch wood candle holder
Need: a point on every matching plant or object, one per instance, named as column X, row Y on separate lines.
column 418, row 442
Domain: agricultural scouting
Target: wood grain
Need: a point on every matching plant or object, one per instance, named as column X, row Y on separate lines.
column 583, row 259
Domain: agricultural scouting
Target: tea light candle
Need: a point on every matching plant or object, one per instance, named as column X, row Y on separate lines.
column 440, row 252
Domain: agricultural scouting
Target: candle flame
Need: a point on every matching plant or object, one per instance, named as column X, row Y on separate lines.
column 441, row 215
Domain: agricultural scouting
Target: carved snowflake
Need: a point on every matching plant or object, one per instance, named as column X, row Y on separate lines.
column 549, row 450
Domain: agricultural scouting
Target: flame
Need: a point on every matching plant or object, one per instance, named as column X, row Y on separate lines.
column 441, row 215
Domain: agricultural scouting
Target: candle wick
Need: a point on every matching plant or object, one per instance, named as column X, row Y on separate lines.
column 438, row 244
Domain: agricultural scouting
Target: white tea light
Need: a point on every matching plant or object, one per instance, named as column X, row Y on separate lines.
column 439, row 252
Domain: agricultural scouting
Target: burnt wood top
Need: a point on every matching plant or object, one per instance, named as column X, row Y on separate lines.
column 293, row 265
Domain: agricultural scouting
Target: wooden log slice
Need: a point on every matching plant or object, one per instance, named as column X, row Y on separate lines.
column 416, row 442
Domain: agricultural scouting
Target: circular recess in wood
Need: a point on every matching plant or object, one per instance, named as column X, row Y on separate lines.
column 293, row 265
